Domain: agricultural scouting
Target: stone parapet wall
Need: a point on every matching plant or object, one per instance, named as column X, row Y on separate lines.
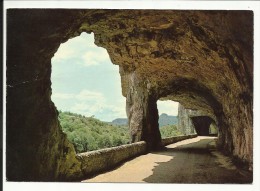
column 97, row 161
column 171, row 140
column 104, row 159
column 100, row 160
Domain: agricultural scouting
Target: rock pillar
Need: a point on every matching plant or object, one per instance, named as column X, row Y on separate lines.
column 185, row 125
column 142, row 113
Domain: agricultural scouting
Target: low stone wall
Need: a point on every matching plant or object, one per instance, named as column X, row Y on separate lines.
column 103, row 159
column 100, row 160
column 171, row 140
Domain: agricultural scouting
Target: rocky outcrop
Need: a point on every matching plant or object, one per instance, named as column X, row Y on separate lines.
column 195, row 121
column 142, row 112
column 165, row 119
column 202, row 59
column 185, row 125
column 213, row 129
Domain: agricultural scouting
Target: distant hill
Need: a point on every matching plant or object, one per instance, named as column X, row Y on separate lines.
column 120, row 121
column 164, row 120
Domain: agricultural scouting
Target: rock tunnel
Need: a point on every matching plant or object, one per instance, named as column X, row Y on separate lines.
column 202, row 124
column 202, row 59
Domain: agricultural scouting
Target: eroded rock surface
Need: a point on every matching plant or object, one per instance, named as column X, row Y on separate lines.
column 202, row 59
column 194, row 121
column 185, row 125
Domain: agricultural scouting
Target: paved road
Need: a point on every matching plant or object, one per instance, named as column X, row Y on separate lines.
column 190, row 161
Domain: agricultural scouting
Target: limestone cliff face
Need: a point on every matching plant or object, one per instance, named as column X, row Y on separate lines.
column 202, row 59
column 185, row 125
column 37, row 150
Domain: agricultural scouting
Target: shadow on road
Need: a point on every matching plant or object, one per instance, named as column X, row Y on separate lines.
column 195, row 163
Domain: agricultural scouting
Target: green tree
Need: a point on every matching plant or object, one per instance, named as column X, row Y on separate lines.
column 88, row 133
column 169, row 131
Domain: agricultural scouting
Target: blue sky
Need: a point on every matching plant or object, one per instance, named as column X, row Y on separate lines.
column 85, row 81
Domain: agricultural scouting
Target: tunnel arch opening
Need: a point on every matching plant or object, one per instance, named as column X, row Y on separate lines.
column 204, row 126
column 86, row 90
column 168, row 118
column 195, row 100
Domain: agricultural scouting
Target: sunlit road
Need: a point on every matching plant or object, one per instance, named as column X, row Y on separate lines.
column 190, row 161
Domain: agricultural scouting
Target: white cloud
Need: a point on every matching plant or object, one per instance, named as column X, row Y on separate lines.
column 86, row 95
column 62, row 96
column 118, row 111
column 91, row 103
column 81, row 48
column 87, row 109
column 95, row 57
column 88, row 103
column 168, row 107
column 64, row 52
